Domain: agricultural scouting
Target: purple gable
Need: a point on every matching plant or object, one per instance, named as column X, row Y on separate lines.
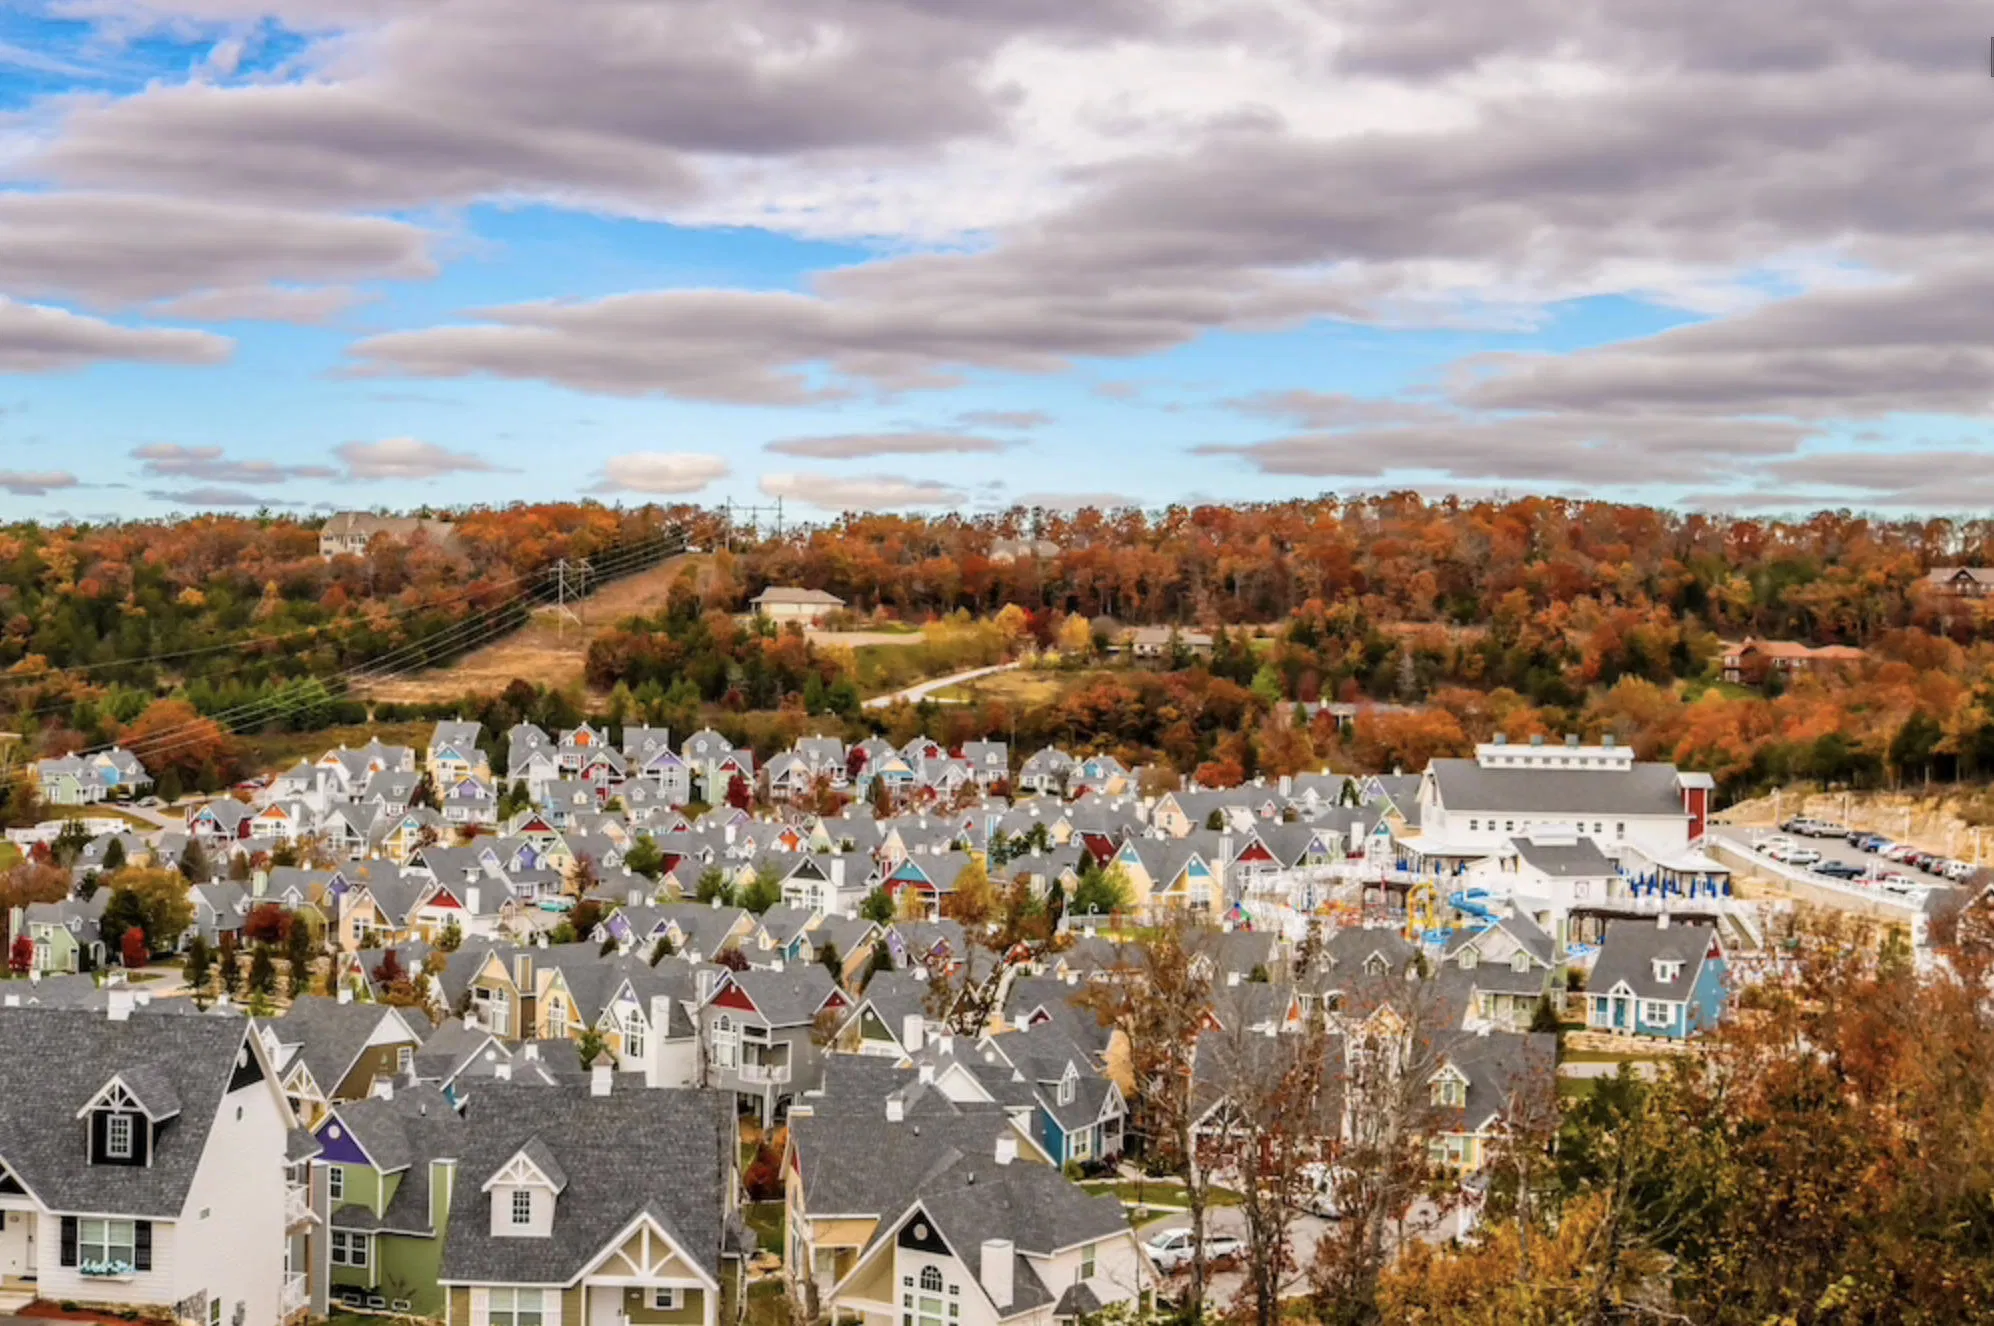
column 338, row 1144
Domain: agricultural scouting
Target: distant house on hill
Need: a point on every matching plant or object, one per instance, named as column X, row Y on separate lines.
column 1967, row 582
column 349, row 532
column 1751, row 661
column 788, row 604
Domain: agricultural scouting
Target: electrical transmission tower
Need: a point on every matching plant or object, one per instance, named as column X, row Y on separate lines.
column 563, row 614
column 753, row 517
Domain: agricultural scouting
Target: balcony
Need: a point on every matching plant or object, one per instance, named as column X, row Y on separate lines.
column 296, row 1295
column 773, row 1073
column 297, row 1205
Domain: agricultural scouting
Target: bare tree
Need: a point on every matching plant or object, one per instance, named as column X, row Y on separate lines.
column 1161, row 1005
column 1273, row 1127
column 1395, row 1034
column 1002, row 931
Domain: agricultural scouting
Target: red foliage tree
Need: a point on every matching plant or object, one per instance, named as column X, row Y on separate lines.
column 390, row 970
column 135, row 951
column 268, row 924
column 739, row 795
column 21, row 958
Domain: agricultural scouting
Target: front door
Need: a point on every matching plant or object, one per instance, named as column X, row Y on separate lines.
column 606, row 1306
column 17, row 1245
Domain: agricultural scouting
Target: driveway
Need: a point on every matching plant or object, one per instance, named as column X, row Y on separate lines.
column 921, row 691
column 1224, row 1286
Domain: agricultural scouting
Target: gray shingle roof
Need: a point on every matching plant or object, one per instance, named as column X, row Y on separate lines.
column 1644, row 789
column 1580, row 859
column 330, row 1035
column 682, row 1137
column 65, row 1057
column 1630, row 950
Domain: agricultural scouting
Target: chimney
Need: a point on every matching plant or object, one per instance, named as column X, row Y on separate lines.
column 1232, row 978
column 635, row 897
column 502, row 1072
column 775, row 964
column 471, row 900
column 1537, row 740
column 1661, row 921
column 927, row 1074
column 532, row 1049
column 1571, row 740
column 1072, row 976
column 384, row 1087
column 522, row 972
column 730, row 835
column 946, row 1043
column 896, row 1109
column 258, row 882
column 995, row 1271
column 345, row 995
column 601, row 1078
column 913, row 1029
column 716, row 902
column 1007, row 1147
column 120, row 1006
column 1607, row 741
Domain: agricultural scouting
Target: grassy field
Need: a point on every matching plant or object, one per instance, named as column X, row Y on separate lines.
column 765, row 1218
column 279, row 751
column 1155, row 1192
column 1022, row 687
column 103, row 810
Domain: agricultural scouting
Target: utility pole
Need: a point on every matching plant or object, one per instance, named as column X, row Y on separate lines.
column 563, row 614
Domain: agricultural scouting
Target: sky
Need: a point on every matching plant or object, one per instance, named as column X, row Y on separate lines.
column 973, row 254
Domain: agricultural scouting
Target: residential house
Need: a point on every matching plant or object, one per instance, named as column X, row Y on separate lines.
column 1657, row 978
column 453, row 753
column 143, row 1166
column 349, row 533
column 1475, row 1087
column 1751, row 662
column 784, row 603
column 761, row 1030
column 328, row 1050
column 586, row 1209
column 389, row 1165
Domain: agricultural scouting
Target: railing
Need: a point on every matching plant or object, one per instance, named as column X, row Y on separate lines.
column 297, row 1294
column 297, row 1204
column 764, row 1072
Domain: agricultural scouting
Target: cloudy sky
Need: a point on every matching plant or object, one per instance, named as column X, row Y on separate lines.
column 966, row 253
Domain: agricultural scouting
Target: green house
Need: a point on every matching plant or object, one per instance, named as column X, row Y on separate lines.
column 391, row 1170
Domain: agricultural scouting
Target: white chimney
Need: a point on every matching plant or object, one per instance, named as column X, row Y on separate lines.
column 345, row 995
column 502, row 1072
column 927, row 1073
column 1232, row 978
column 947, row 1043
column 1661, row 920
column 896, row 1109
column 384, row 1087
column 120, row 1006
column 601, row 1078
column 1072, row 975
column 913, row 1029
column 532, row 1049
column 775, row 964
column 995, row 1272
column 716, row 902
column 1007, row 1147
column 471, row 900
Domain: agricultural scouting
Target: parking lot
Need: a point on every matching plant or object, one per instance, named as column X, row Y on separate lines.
column 1872, row 865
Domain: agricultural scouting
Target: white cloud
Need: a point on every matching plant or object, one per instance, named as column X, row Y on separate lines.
column 32, row 483
column 660, row 472
column 171, row 460
column 406, row 458
column 860, row 493
column 35, row 338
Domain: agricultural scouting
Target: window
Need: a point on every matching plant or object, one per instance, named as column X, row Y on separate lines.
column 1474, row 826
column 118, row 1137
column 106, row 1243
column 1066, row 1090
column 1620, row 829
column 1466, row 960
column 1521, row 962
column 931, row 1279
column 404, row 1056
column 335, row 1182
column 1655, row 1012
column 522, row 1206
column 666, row 1298
column 214, row 1312
column 1087, row 1262
column 725, row 1042
column 633, row 1036
column 516, row 1307
column 348, row 1248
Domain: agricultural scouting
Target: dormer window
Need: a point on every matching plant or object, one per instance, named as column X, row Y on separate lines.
column 522, row 1206
column 118, row 1129
column 1667, row 970
column 1066, row 1090
column 1450, row 1090
column 1521, row 962
column 1467, row 959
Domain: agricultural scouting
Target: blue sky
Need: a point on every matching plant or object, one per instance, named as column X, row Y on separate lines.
column 347, row 253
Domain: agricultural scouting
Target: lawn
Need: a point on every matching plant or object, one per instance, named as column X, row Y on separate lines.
column 767, row 1305
column 100, row 811
column 1022, row 688
column 765, row 1218
column 10, row 856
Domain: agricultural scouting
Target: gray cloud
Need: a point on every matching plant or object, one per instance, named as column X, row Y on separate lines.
column 860, row 493
column 303, row 306
column 846, row 446
column 406, row 458
column 1317, row 409
column 117, row 249
column 35, row 338
column 33, row 483
column 1021, row 420
column 213, row 496
column 171, row 460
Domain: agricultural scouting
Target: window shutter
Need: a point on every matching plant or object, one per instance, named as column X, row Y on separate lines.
column 481, row 1307
column 142, row 1245
column 69, row 1240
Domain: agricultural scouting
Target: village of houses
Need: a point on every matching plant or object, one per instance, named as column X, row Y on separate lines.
column 488, row 1117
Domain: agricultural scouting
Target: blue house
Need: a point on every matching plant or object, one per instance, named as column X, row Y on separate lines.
column 1078, row 1113
column 1659, row 978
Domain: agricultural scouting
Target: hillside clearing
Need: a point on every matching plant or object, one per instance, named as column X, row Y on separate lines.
column 550, row 650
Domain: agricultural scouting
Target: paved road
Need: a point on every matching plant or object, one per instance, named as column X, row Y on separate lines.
column 921, row 691
column 1224, row 1286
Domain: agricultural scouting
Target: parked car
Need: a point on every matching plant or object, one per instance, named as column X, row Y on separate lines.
column 1830, row 829
column 1960, row 870
column 1838, row 869
column 1899, row 852
column 1172, row 1249
column 1874, row 842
